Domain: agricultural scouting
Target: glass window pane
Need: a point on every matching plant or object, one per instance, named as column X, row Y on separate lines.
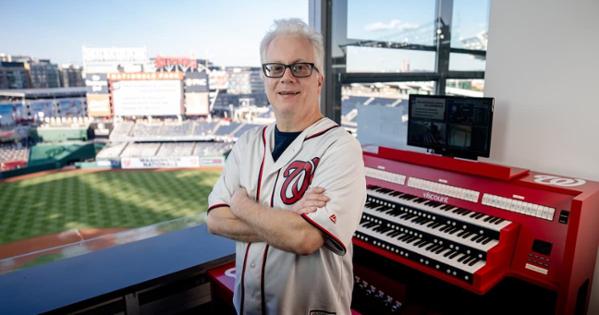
column 471, row 87
column 377, row 113
column 410, row 21
column 470, row 24
column 466, row 62
column 368, row 59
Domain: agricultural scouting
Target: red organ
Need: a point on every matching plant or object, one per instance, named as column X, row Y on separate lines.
column 473, row 225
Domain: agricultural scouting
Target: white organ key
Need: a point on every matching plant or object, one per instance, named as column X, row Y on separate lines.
column 435, row 210
column 454, row 262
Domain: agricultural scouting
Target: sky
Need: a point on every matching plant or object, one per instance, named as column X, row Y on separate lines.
column 410, row 21
column 227, row 32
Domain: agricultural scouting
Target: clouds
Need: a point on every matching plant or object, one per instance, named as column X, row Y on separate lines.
column 393, row 25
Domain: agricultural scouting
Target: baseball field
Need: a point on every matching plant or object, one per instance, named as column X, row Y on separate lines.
column 52, row 203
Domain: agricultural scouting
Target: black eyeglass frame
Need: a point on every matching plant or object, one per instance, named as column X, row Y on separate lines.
column 290, row 66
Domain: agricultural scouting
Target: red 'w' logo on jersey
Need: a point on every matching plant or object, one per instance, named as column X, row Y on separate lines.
column 298, row 177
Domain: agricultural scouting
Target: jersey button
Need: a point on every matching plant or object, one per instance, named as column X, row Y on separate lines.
column 253, row 265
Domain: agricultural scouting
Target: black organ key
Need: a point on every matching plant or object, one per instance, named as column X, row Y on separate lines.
column 477, row 238
column 453, row 255
column 442, row 248
column 423, row 244
column 482, row 240
column 435, row 203
column 391, row 232
column 456, row 230
column 413, row 238
column 435, row 225
column 403, row 237
column 467, row 234
column 395, row 233
column 420, row 242
column 434, row 248
column 408, row 197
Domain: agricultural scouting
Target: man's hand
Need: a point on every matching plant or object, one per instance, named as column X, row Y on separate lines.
column 313, row 199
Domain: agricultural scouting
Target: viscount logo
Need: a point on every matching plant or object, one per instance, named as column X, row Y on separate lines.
column 434, row 197
column 298, row 177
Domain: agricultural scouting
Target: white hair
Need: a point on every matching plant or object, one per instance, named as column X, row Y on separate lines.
column 294, row 27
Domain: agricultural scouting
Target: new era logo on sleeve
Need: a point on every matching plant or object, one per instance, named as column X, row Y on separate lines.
column 333, row 218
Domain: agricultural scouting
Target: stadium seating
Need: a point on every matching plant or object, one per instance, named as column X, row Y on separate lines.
column 141, row 149
column 211, row 148
column 204, row 128
column 10, row 152
column 121, row 131
column 111, row 151
column 225, row 130
column 173, row 138
column 243, row 128
column 169, row 149
column 198, row 130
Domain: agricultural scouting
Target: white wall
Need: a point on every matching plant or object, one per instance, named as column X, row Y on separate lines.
column 543, row 70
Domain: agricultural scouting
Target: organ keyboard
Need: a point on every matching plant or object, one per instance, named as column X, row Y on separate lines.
column 474, row 224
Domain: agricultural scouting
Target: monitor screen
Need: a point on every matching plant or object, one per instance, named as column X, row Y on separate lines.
column 451, row 125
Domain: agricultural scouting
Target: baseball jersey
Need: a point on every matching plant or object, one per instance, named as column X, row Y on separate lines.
column 273, row 281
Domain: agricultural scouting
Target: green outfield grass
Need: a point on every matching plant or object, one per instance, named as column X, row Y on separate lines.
column 109, row 199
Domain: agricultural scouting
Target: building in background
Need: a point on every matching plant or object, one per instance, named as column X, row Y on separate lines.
column 244, row 80
column 25, row 72
column 71, row 76
column 116, row 59
column 14, row 75
column 44, row 74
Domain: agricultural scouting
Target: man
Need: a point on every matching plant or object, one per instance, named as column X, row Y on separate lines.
column 291, row 194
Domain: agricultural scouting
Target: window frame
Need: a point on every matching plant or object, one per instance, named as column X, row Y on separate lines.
column 330, row 18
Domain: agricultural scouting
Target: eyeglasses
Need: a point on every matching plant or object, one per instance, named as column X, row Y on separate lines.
column 298, row 69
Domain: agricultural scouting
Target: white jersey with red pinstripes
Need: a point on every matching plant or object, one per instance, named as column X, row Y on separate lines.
column 273, row 281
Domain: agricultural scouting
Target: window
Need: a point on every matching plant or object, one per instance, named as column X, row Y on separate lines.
column 381, row 49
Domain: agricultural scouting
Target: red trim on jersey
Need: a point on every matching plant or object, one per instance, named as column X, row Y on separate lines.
column 261, row 164
column 330, row 235
column 245, row 258
column 320, row 133
column 217, row 206
column 263, row 295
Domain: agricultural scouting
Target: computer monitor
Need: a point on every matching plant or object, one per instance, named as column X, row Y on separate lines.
column 454, row 126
